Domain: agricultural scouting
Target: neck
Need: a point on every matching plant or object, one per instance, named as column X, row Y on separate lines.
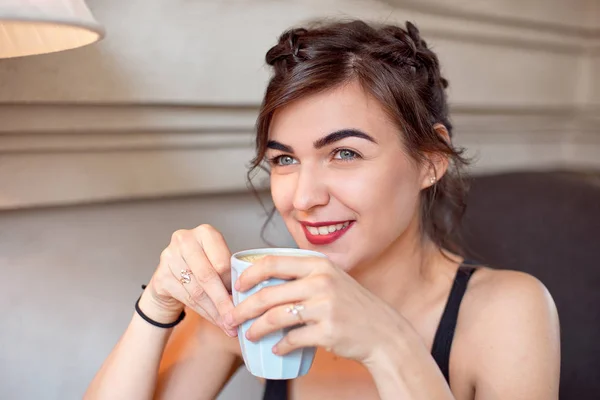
column 405, row 267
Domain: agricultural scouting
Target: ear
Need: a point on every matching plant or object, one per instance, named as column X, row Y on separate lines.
column 436, row 164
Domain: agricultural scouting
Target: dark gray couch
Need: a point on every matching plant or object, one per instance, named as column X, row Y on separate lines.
column 548, row 224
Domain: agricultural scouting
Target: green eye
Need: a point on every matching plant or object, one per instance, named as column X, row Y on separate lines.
column 285, row 160
column 345, row 155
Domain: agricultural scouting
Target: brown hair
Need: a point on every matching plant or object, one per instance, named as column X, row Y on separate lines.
column 395, row 66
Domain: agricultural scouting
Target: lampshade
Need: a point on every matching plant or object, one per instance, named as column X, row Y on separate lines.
column 44, row 26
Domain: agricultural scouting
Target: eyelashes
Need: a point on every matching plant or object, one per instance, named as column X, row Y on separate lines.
column 345, row 155
column 350, row 155
column 277, row 160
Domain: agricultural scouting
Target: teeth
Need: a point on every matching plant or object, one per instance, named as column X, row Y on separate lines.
column 325, row 230
column 313, row 230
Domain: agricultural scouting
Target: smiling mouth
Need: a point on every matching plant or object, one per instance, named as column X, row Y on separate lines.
column 325, row 233
column 326, row 229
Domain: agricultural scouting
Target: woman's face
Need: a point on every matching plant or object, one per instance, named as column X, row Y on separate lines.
column 340, row 177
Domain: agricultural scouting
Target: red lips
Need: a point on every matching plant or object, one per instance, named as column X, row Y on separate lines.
column 328, row 238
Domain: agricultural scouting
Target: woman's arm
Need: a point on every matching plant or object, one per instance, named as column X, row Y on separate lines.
column 514, row 341
column 518, row 351
column 403, row 368
column 197, row 362
column 194, row 271
column 131, row 369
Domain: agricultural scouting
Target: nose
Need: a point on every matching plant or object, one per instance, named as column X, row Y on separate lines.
column 311, row 189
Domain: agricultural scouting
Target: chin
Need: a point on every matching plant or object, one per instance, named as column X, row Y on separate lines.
column 340, row 259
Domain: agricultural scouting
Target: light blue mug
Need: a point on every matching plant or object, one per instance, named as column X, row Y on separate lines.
column 258, row 356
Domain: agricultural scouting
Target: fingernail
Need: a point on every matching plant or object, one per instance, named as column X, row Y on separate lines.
column 237, row 285
column 275, row 350
column 228, row 320
column 231, row 332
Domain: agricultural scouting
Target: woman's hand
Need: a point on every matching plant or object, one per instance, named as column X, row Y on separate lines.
column 340, row 315
column 194, row 271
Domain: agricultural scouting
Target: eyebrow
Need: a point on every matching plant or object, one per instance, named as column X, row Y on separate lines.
column 324, row 141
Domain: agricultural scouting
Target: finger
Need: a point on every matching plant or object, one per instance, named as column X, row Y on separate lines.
column 181, row 295
column 266, row 298
column 305, row 336
column 191, row 293
column 193, row 296
column 282, row 317
column 216, row 251
column 207, row 277
column 171, row 287
column 283, row 267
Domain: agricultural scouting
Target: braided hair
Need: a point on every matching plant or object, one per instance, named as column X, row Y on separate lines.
column 395, row 65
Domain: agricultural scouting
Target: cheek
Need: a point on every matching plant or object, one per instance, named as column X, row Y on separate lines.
column 354, row 189
column 402, row 204
column 389, row 199
column 282, row 193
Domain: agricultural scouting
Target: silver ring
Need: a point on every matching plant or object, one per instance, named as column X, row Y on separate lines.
column 295, row 310
column 186, row 276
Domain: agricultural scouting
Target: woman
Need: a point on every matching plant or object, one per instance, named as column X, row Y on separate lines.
column 354, row 126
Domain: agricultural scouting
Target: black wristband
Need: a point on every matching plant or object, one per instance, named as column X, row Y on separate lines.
column 153, row 322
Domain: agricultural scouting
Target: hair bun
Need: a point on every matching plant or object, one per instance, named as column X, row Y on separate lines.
column 414, row 34
column 287, row 48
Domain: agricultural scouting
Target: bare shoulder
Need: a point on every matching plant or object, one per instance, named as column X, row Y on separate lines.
column 504, row 289
column 502, row 300
column 510, row 322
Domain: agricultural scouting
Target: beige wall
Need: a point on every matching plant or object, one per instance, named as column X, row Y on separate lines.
column 566, row 14
column 164, row 107
column 165, row 104
column 70, row 277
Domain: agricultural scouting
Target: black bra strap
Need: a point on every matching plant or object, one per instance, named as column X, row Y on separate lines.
column 442, row 342
column 276, row 390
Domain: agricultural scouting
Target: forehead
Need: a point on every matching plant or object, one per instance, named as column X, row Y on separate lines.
column 345, row 107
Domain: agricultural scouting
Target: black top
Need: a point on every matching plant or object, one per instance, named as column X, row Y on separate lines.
column 278, row 389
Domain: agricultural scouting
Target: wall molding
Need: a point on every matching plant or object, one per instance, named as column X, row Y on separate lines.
column 83, row 117
column 103, row 142
column 65, row 154
column 56, row 127
column 108, row 122
column 485, row 28
column 440, row 10
column 63, row 117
